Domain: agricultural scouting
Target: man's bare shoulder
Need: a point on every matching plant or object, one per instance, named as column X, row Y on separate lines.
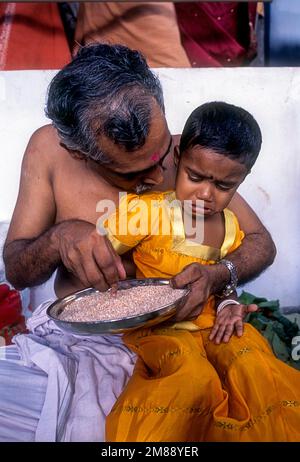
column 44, row 152
column 44, row 143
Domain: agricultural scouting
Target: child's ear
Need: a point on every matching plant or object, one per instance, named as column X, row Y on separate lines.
column 176, row 155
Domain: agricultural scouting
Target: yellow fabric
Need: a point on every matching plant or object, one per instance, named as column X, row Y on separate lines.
column 163, row 255
column 186, row 388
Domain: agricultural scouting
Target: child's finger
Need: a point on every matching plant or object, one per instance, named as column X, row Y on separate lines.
column 239, row 328
column 251, row 308
column 214, row 330
column 220, row 333
column 228, row 332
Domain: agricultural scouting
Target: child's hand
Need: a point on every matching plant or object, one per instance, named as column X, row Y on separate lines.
column 230, row 319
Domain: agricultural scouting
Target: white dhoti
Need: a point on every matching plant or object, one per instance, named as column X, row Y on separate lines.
column 58, row 387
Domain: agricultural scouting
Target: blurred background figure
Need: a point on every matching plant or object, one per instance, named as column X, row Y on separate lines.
column 218, row 34
column 210, row 34
column 149, row 27
column 179, row 34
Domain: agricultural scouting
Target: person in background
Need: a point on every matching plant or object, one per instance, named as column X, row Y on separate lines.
column 150, row 27
column 216, row 34
column 197, row 34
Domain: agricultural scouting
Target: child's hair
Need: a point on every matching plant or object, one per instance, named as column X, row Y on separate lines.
column 226, row 129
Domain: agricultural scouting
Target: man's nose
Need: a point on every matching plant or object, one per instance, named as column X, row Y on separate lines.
column 154, row 176
column 205, row 191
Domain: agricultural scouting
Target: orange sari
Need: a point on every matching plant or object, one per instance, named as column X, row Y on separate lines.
column 186, row 388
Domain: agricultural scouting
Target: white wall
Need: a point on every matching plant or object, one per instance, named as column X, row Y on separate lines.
column 272, row 95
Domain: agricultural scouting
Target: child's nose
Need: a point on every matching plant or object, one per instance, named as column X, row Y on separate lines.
column 205, row 191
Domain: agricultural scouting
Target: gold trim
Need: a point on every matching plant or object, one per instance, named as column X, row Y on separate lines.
column 132, row 409
column 230, row 232
column 187, row 247
column 119, row 247
column 257, row 419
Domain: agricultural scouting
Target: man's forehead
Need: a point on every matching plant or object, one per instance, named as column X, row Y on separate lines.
column 130, row 160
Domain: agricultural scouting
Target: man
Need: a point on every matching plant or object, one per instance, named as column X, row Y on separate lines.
column 108, row 115
column 109, row 134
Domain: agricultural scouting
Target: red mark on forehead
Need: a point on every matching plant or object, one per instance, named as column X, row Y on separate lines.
column 155, row 157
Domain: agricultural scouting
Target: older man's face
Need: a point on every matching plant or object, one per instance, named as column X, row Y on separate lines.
column 143, row 169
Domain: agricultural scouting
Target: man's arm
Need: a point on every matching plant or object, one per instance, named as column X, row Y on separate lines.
column 34, row 214
column 258, row 250
column 255, row 254
column 35, row 246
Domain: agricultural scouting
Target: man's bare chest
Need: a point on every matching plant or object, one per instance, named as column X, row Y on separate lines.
column 77, row 192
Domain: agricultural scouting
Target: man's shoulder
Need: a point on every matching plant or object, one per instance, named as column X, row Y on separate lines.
column 44, row 148
column 45, row 141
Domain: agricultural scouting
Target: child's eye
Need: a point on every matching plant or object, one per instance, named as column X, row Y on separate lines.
column 223, row 187
column 196, row 179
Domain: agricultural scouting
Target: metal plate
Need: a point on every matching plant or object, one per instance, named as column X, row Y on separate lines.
column 119, row 325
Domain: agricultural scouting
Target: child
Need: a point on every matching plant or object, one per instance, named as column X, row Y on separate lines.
column 185, row 387
column 156, row 225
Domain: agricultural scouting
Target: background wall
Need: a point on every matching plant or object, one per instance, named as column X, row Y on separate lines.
column 272, row 95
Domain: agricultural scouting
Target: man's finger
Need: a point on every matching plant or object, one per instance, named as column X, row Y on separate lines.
column 120, row 268
column 193, row 304
column 190, row 310
column 73, row 265
column 94, row 275
column 118, row 262
column 106, row 263
column 189, row 275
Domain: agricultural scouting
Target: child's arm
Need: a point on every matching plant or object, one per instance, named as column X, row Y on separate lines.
column 229, row 318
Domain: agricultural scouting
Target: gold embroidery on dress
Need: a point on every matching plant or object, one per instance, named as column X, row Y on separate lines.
column 162, row 410
column 257, row 419
column 291, row 403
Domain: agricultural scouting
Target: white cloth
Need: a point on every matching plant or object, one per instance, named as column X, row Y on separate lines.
column 45, row 291
column 22, row 394
column 78, row 377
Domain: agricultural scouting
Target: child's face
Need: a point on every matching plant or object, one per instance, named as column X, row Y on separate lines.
column 205, row 175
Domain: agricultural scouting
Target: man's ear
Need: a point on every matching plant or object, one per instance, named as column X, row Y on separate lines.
column 176, row 155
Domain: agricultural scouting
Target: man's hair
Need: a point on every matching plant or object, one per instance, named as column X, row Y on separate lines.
column 226, row 129
column 106, row 90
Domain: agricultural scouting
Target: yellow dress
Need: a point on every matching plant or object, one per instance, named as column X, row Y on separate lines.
column 184, row 387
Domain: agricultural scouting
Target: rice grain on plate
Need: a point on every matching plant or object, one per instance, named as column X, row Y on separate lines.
column 106, row 306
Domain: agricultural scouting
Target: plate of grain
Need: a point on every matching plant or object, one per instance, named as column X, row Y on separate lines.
column 136, row 303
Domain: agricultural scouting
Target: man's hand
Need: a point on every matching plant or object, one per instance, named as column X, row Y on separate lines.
column 88, row 255
column 230, row 320
column 202, row 281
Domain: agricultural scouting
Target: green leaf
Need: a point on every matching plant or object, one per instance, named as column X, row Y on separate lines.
column 273, row 325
